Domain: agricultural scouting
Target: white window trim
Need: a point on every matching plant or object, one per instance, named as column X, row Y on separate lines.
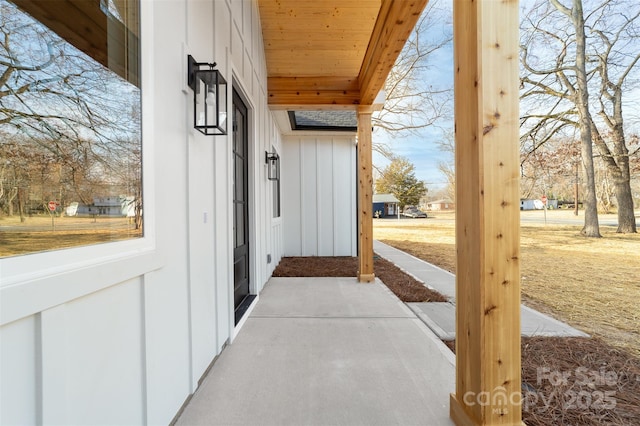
column 34, row 282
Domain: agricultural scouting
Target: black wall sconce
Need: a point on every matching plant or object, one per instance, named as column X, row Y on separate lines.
column 209, row 97
column 272, row 159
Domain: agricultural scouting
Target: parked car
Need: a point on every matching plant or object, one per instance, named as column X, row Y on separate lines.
column 413, row 212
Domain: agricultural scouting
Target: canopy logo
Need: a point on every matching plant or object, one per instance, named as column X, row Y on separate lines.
column 579, row 389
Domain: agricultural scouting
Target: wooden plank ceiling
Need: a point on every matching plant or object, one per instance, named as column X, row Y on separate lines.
column 332, row 54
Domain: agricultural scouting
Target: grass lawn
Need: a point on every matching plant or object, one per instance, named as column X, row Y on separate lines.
column 38, row 233
column 592, row 284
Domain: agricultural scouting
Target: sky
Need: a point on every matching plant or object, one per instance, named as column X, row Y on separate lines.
column 422, row 150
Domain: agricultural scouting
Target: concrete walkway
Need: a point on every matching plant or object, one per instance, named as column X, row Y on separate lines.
column 327, row 351
column 440, row 317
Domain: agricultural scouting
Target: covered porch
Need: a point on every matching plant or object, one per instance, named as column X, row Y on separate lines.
column 331, row 55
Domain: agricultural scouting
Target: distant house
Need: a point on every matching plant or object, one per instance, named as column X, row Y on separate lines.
column 535, row 204
column 527, row 204
column 385, row 205
column 443, row 204
column 114, row 206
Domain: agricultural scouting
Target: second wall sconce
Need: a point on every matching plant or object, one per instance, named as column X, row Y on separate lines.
column 272, row 159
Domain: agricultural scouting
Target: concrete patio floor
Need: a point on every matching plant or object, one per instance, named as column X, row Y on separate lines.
column 327, row 351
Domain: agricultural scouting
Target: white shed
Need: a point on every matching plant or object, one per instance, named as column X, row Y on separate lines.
column 530, row 204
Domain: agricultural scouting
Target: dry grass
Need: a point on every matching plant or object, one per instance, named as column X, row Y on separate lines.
column 593, row 284
column 37, row 234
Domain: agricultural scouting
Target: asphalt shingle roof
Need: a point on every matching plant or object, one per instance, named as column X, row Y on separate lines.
column 329, row 120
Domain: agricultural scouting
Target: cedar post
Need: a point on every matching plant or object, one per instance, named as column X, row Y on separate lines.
column 488, row 377
column 365, row 195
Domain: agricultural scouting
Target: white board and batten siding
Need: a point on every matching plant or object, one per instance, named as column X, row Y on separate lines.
column 120, row 333
column 319, row 195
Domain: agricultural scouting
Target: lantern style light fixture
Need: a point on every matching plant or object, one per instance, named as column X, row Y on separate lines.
column 209, row 97
column 272, row 159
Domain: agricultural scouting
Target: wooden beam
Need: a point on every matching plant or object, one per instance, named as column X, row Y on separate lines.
column 488, row 377
column 312, row 107
column 394, row 24
column 310, row 91
column 365, row 195
column 312, row 99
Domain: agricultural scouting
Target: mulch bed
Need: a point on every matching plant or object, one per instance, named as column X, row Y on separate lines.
column 577, row 381
column 317, row 266
column 565, row 381
column 407, row 288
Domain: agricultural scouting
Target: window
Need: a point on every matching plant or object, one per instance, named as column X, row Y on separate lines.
column 70, row 124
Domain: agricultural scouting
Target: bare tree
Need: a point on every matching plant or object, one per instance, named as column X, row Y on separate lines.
column 78, row 121
column 617, row 56
column 566, row 79
column 551, row 170
column 447, row 166
column 556, row 87
column 411, row 105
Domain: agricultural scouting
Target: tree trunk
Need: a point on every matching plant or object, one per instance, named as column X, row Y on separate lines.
column 626, row 215
column 622, row 180
column 618, row 166
column 624, row 195
column 617, row 163
column 12, row 195
column 591, row 225
column 21, row 205
column 138, row 213
column 576, row 191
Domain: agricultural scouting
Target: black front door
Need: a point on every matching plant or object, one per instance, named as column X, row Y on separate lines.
column 240, row 206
